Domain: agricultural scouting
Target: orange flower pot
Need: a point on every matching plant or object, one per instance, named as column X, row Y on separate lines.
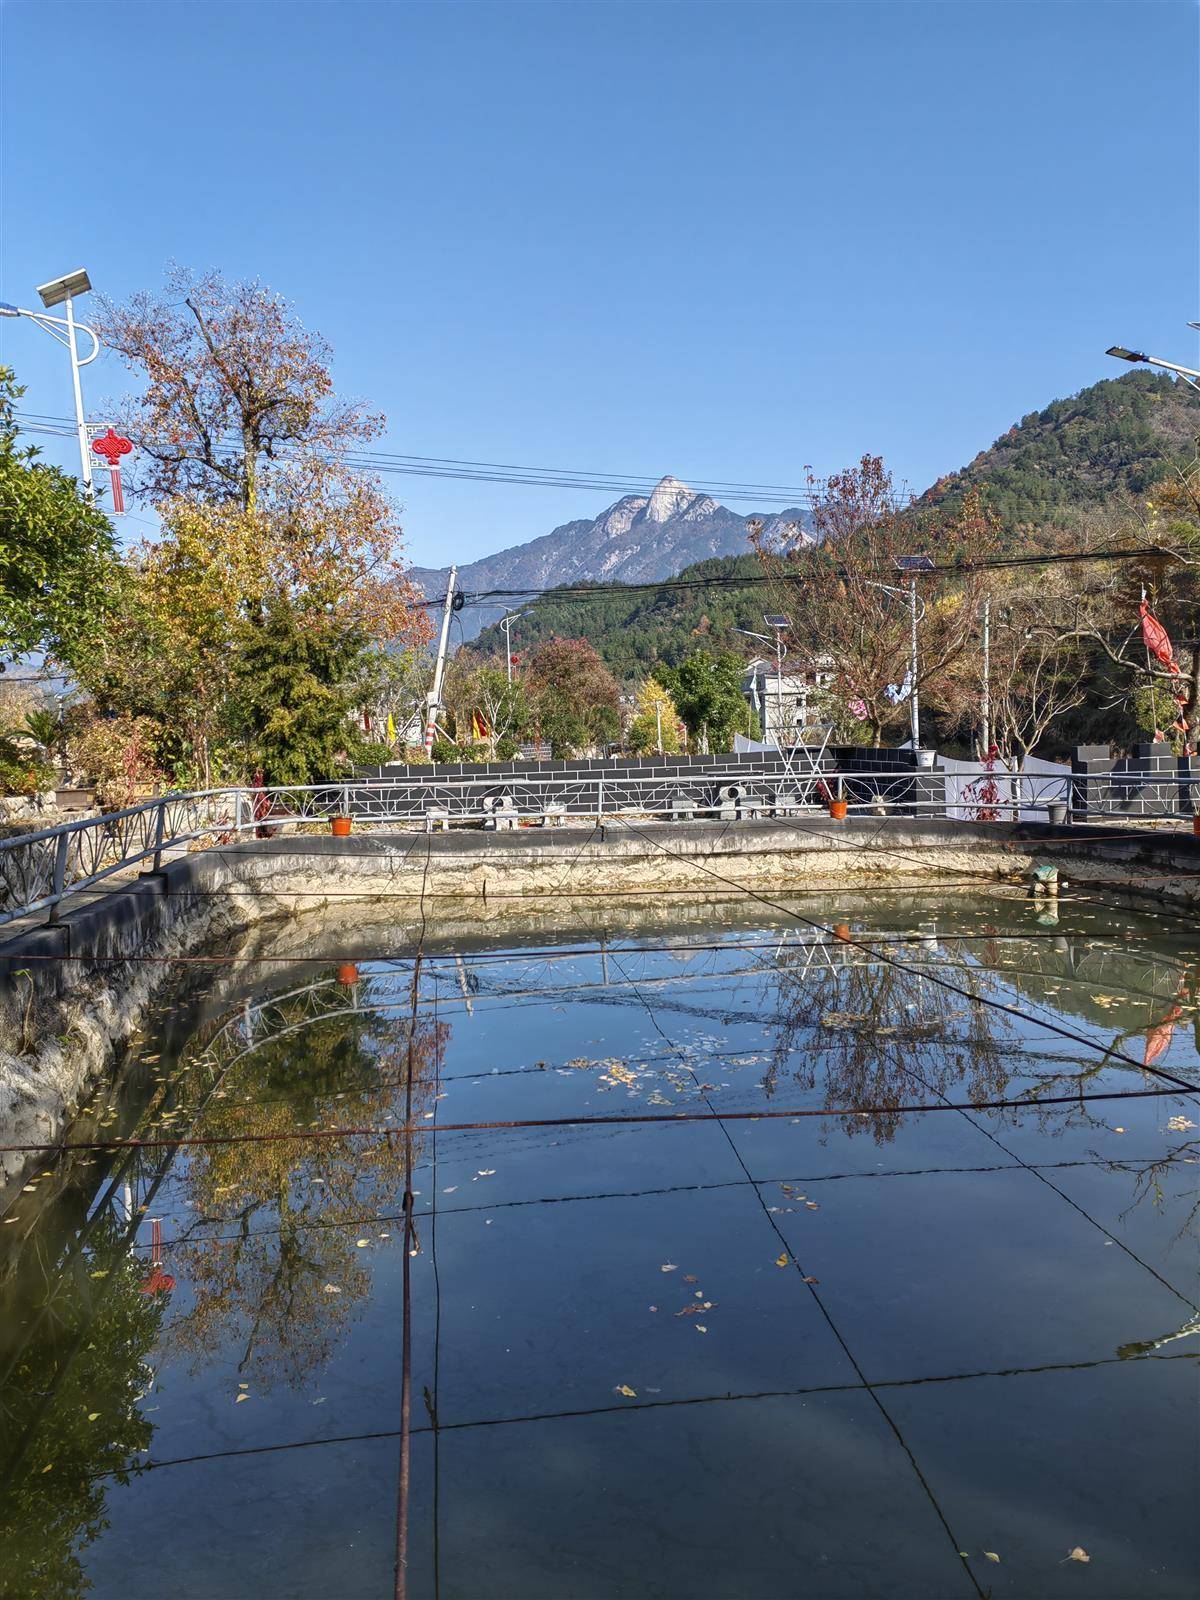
column 1196, row 825
column 347, row 974
column 841, row 930
column 340, row 826
column 837, row 810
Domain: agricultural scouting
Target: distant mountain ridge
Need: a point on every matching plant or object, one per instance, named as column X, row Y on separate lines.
column 1101, row 449
column 639, row 539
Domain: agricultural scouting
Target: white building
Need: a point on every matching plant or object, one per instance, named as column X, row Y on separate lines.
column 787, row 700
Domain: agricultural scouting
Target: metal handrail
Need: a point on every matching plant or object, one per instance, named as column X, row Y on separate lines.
column 39, row 869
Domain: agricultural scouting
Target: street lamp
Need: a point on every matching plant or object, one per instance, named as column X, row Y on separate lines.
column 1188, row 374
column 911, row 565
column 779, row 625
column 62, row 292
column 506, row 623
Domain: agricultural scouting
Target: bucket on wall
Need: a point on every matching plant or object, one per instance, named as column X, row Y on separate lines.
column 340, row 827
column 837, row 810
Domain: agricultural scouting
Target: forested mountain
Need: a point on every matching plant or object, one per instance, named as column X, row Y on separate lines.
column 1106, row 444
column 633, row 631
column 1098, row 450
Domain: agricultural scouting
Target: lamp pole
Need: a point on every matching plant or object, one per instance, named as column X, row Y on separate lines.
column 62, row 291
column 916, row 611
column 506, row 623
column 1188, row 374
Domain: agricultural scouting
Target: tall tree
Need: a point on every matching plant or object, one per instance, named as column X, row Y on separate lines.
column 269, row 522
column 232, row 380
column 844, row 592
column 575, row 698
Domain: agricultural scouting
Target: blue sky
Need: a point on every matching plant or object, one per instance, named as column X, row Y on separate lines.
column 723, row 241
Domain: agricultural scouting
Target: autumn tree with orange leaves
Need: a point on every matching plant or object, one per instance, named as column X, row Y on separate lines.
column 249, row 457
column 842, row 587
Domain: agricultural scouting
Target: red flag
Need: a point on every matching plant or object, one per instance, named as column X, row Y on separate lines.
column 1156, row 638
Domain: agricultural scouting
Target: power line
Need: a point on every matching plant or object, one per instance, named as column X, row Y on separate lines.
column 619, row 483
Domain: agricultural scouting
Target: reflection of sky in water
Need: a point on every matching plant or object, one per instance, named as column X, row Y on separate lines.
column 813, row 1341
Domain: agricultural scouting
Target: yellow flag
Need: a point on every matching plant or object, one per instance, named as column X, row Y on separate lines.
column 391, row 729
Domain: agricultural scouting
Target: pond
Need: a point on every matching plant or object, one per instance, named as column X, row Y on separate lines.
column 729, row 1273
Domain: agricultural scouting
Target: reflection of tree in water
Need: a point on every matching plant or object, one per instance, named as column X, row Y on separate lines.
column 284, row 1288
column 71, row 1420
column 881, row 1036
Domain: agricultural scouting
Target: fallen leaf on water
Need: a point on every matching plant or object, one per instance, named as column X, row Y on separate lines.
column 487, row 1172
column 243, row 1385
column 781, row 1261
column 991, row 1555
column 812, row 1280
column 362, row 1243
column 654, row 1308
column 668, row 1266
column 237, row 1400
column 332, row 1288
column 92, row 1415
column 812, row 1205
column 1078, row 1554
column 630, row 1394
column 699, row 1327
column 690, row 1277
column 48, row 1467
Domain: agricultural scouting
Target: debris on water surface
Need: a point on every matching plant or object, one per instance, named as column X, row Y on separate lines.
column 1078, row 1554
column 623, row 1388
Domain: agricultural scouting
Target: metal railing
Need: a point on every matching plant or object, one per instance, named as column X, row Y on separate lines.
column 38, row 870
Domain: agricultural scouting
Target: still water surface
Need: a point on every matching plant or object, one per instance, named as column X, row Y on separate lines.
column 814, row 1342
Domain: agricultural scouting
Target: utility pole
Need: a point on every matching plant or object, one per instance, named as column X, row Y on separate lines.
column 434, row 699
column 658, row 719
column 987, row 676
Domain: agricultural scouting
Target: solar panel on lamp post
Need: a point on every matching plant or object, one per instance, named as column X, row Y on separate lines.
column 62, row 291
column 1188, row 374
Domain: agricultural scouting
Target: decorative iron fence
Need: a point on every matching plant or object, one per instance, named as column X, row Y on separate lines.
column 38, row 870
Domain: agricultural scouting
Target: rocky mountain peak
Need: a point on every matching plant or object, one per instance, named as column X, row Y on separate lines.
column 668, row 499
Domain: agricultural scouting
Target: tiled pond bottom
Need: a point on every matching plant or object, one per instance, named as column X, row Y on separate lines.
column 829, row 1336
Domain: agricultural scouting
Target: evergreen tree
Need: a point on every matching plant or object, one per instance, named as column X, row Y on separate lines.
column 295, row 674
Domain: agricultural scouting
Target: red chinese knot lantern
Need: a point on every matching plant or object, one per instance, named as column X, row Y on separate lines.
column 112, row 447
